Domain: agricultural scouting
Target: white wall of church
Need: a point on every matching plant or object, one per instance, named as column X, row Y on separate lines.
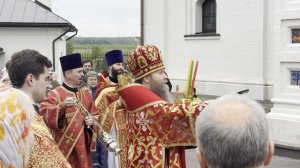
column 40, row 39
column 284, row 118
column 238, row 59
column 154, row 22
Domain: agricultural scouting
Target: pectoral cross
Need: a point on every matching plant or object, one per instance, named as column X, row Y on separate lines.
column 70, row 138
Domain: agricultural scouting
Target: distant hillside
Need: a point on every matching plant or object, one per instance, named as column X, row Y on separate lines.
column 94, row 48
column 105, row 40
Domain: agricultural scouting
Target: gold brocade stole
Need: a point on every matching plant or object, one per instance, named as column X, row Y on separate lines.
column 71, row 135
column 121, row 119
column 110, row 114
column 106, row 109
column 45, row 152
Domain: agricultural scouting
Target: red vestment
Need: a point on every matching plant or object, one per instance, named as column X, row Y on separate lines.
column 112, row 113
column 155, row 126
column 68, row 126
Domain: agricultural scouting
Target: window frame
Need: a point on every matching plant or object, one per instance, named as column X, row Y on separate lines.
column 194, row 19
column 209, row 13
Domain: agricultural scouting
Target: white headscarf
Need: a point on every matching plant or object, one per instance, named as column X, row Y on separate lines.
column 16, row 137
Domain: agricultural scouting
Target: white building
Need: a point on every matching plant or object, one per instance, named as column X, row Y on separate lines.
column 25, row 24
column 248, row 44
column 231, row 58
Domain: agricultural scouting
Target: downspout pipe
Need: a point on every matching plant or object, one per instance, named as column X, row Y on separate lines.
column 70, row 29
column 142, row 21
column 76, row 31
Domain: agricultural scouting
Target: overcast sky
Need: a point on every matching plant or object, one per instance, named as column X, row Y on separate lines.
column 101, row 18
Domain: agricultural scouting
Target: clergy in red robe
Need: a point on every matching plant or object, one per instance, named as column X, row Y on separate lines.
column 69, row 125
column 111, row 110
column 157, row 130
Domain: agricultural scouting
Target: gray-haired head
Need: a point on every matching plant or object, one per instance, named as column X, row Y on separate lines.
column 91, row 73
column 232, row 132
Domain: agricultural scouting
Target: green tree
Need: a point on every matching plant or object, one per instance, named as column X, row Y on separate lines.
column 97, row 56
column 96, row 51
column 70, row 47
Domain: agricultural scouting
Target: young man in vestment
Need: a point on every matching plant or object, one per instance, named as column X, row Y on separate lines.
column 16, row 135
column 156, row 128
column 69, row 124
column 112, row 116
column 29, row 72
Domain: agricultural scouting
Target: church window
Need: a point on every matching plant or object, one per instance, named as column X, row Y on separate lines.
column 295, row 77
column 201, row 19
column 209, row 16
column 295, row 35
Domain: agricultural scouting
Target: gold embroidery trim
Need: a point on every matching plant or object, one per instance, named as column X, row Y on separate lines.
column 99, row 97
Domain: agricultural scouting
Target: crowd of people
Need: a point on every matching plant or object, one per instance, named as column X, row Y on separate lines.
column 44, row 123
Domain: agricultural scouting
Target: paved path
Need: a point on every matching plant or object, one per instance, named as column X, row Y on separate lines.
column 276, row 162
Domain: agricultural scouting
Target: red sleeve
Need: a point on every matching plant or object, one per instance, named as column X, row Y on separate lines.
column 52, row 111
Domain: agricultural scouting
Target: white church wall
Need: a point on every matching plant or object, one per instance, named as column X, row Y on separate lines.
column 284, row 118
column 154, row 26
column 40, row 39
column 229, row 63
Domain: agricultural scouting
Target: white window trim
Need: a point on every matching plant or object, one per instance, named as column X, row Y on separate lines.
column 202, row 38
column 190, row 22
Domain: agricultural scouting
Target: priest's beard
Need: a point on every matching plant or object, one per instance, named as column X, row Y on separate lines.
column 115, row 72
column 162, row 91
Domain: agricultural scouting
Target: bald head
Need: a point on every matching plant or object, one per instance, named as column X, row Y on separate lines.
column 232, row 131
column 232, row 112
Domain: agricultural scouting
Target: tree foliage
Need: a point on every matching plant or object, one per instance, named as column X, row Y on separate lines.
column 96, row 51
column 105, row 40
column 69, row 47
column 94, row 48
